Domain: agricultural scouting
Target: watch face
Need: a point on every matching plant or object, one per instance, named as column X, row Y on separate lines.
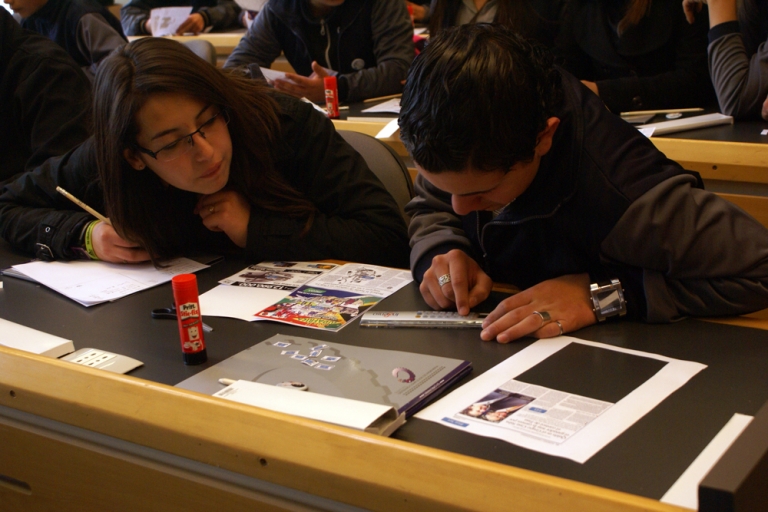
column 609, row 300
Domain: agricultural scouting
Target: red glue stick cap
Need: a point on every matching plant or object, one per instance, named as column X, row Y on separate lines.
column 185, row 283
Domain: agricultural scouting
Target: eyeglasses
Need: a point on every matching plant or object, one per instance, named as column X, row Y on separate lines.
column 182, row 145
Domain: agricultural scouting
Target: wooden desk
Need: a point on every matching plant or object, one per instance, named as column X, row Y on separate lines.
column 82, row 439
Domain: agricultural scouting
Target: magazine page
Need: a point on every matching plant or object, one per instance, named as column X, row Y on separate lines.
column 258, row 286
column 563, row 396
column 333, row 300
column 402, row 380
column 278, row 275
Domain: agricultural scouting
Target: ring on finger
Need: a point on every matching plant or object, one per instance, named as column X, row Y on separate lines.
column 211, row 209
column 444, row 279
column 545, row 317
column 560, row 326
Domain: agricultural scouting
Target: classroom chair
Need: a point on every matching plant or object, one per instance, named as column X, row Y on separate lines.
column 385, row 164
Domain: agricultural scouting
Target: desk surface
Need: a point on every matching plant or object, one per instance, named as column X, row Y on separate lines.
column 644, row 461
column 223, row 42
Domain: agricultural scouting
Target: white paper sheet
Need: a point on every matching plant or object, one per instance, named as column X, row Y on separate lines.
column 165, row 21
column 273, row 74
column 389, row 130
column 331, row 409
column 608, row 423
column 685, row 492
column 25, row 338
column 94, row 282
column 391, row 105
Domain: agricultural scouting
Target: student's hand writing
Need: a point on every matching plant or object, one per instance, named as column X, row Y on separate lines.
column 226, row 211
column 310, row 87
column 193, row 24
column 109, row 246
column 565, row 298
column 468, row 287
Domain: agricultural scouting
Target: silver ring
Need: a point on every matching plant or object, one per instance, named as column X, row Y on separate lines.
column 444, row 279
column 211, row 209
column 544, row 316
column 560, row 326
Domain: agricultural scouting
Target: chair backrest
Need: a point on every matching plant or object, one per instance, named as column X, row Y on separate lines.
column 385, row 164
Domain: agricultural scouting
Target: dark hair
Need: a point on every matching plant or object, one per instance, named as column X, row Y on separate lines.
column 135, row 200
column 515, row 14
column 477, row 96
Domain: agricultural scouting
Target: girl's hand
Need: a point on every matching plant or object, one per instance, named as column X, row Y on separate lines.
column 226, row 211
column 566, row 299
column 109, row 246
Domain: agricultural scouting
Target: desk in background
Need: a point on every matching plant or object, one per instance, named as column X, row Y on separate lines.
column 224, row 43
column 89, row 440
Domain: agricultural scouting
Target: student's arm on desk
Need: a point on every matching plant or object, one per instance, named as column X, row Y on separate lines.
column 259, row 45
column 224, row 15
column 700, row 255
column 133, row 17
column 31, row 211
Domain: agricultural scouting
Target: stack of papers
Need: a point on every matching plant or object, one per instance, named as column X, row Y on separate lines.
column 94, row 282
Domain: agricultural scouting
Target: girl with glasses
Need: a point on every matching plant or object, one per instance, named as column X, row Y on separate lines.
column 187, row 157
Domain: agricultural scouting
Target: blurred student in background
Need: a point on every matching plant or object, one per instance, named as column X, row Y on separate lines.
column 636, row 54
column 84, row 28
column 45, row 99
column 536, row 19
column 214, row 15
column 738, row 54
column 367, row 44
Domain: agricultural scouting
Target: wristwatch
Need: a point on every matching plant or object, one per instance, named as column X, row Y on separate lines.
column 607, row 300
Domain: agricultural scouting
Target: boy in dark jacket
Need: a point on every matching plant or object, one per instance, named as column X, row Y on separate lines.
column 84, row 28
column 368, row 44
column 45, row 99
column 525, row 178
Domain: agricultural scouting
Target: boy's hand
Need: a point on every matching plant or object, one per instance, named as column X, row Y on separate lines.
column 466, row 287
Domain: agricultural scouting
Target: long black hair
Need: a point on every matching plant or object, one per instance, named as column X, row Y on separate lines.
column 138, row 202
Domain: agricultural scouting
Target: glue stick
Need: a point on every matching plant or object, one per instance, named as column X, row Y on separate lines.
column 189, row 318
column 331, row 96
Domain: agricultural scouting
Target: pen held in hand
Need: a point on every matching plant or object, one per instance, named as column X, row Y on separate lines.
column 82, row 205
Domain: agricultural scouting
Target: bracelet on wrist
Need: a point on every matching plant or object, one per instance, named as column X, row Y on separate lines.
column 89, row 240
